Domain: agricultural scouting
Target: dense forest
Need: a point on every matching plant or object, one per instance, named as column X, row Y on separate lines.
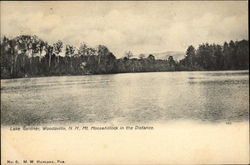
column 29, row 56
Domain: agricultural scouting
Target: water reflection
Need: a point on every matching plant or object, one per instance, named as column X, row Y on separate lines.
column 130, row 97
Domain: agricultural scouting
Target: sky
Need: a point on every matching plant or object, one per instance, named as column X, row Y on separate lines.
column 137, row 26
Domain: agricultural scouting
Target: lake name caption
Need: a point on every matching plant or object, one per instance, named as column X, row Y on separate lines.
column 79, row 128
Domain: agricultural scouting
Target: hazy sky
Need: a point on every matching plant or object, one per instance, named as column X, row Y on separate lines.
column 142, row 27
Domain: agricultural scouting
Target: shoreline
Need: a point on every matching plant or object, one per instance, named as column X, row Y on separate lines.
column 125, row 73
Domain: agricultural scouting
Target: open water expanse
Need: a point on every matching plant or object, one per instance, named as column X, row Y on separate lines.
column 209, row 96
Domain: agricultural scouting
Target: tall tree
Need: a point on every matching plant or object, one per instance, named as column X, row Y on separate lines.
column 58, row 46
column 190, row 56
column 69, row 53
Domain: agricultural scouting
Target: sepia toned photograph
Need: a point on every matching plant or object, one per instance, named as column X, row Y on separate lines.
column 134, row 82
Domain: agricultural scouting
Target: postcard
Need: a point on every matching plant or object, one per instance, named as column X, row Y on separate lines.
column 124, row 82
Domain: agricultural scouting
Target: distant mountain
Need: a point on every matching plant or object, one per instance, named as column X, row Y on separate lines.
column 178, row 55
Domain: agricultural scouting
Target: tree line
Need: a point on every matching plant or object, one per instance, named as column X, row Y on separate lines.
column 230, row 56
column 30, row 56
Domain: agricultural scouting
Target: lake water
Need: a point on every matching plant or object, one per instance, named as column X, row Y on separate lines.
column 212, row 96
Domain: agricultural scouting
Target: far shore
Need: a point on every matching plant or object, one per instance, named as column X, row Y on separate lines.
column 41, row 76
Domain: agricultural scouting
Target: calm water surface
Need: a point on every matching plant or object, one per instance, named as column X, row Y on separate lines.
column 127, row 98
